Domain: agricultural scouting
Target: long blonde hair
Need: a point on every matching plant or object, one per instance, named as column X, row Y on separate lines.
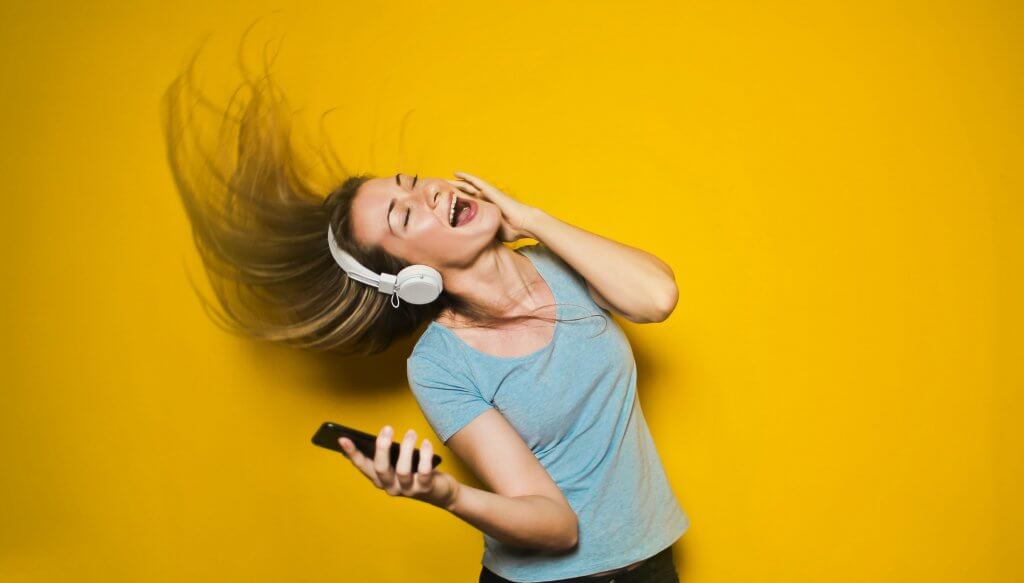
column 259, row 221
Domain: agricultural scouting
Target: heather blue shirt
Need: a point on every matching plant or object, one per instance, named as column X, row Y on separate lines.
column 574, row 403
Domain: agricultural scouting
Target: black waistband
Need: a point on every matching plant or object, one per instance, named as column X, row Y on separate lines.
column 492, row 577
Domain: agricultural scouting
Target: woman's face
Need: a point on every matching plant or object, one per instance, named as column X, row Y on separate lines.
column 409, row 218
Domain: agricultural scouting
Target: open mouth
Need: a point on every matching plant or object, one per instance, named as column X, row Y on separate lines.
column 461, row 211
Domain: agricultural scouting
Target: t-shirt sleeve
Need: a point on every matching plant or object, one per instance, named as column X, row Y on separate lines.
column 448, row 401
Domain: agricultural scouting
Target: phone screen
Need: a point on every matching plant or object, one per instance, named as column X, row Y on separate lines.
column 328, row 434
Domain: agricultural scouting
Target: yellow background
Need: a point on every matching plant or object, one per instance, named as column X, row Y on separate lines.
column 838, row 188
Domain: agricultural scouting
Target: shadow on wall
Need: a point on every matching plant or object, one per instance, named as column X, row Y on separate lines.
column 343, row 377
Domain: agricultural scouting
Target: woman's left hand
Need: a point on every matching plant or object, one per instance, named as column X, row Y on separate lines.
column 515, row 216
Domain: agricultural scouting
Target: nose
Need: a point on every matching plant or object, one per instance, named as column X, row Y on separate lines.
column 434, row 192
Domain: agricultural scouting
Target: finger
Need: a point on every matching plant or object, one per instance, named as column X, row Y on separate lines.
column 360, row 461
column 350, row 452
column 425, row 473
column 403, row 468
column 461, row 182
column 475, row 181
column 382, row 457
column 354, row 455
column 464, row 186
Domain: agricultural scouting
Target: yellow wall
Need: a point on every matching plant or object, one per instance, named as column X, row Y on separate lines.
column 836, row 398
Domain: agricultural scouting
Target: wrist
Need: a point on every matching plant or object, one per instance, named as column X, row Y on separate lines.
column 456, row 490
column 532, row 221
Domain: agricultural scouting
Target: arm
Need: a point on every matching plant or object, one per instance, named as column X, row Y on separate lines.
column 526, row 508
column 634, row 283
column 628, row 280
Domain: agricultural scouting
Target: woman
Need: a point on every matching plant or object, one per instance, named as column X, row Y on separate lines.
column 518, row 370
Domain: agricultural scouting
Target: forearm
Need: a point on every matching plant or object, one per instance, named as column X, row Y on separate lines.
column 524, row 521
column 636, row 283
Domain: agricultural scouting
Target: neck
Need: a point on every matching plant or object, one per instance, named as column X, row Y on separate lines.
column 499, row 281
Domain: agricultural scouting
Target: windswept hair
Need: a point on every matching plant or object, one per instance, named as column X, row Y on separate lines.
column 259, row 218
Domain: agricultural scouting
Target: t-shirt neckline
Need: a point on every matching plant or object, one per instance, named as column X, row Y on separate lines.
column 554, row 336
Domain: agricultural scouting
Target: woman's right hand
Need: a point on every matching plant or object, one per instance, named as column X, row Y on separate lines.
column 515, row 216
column 437, row 488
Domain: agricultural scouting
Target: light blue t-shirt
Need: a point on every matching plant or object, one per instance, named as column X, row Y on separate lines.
column 574, row 403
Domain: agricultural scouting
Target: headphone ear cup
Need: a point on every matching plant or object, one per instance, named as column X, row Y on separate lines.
column 419, row 284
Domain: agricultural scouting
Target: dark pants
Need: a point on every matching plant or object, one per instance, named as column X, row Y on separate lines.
column 657, row 569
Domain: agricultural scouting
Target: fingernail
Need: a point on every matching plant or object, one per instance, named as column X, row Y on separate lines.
column 387, row 431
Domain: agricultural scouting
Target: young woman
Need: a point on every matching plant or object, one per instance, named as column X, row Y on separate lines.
column 518, row 369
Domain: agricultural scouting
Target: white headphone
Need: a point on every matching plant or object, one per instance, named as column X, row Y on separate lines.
column 416, row 284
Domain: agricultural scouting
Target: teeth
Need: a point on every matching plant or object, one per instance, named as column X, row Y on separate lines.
column 451, row 213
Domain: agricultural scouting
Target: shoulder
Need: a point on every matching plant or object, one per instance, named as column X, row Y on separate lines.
column 436, row 356
column 539, row 252
column 442, row 385
column 573, row 286
column 433, row 345
column 549, row 263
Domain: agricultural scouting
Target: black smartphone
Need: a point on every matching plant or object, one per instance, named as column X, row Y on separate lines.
column 329, row 433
